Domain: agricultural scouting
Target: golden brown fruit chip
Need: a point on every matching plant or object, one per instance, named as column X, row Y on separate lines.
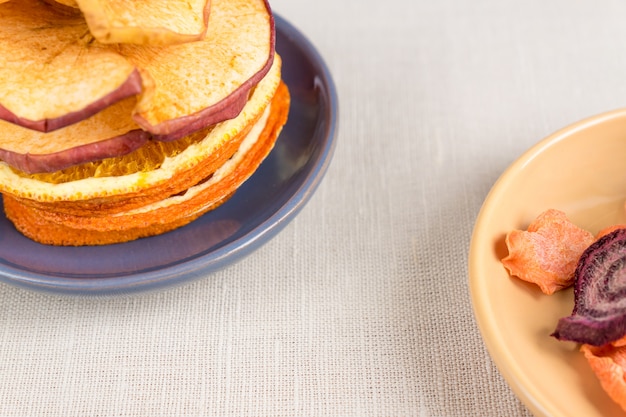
column 63, row 3
column 146, row 22
column 148, row 157
column 202, row 83
column 124, row 185
column 547, row 253
column 110, row 133
column 97, row 227
column 69, row 3
column 53, row 74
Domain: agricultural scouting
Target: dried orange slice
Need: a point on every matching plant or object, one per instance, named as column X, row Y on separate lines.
column 101, row 227
column 547, row 252
column 171, row 175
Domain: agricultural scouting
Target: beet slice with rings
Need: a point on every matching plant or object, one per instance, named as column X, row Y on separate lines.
column 599, row 314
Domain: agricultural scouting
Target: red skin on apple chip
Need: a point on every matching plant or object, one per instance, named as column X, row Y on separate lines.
column 130, row 87
column 197, row 84
column 109, row 133
column 53, row 74
column 116, row 146
column 184, row 88
column 226, row 109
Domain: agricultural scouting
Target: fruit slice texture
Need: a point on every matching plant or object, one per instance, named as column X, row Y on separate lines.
column 63, row 3
column 53, row 74
column 599, row 314
column 98, row 228
column 108, row 133
column 114, row 182
column 197, row 84
column 186, row 87
column 148, row 22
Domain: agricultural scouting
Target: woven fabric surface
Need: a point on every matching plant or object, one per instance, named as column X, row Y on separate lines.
column 360, row 306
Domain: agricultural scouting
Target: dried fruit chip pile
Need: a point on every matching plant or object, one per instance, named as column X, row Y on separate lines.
column 554, row 254
column 120, row 120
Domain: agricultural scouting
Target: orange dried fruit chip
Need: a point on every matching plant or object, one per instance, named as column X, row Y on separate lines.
column 146, row 22
column 608, row 363
column 609, row 229
column 547, row 253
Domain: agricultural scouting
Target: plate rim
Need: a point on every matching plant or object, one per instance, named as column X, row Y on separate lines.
column 525, row 390
column 213, row 260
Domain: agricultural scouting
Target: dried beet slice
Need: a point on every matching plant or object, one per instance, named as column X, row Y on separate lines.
column 599, row 314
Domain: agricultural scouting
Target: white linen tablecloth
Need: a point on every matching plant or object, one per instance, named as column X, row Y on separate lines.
column 360, row 307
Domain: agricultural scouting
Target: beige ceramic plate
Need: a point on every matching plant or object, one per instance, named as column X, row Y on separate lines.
column 582, row 171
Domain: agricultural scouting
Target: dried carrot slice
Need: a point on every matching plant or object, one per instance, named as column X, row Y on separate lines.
column 547, row 252
column 608, row 363
column 619, row 342
column 609, row 229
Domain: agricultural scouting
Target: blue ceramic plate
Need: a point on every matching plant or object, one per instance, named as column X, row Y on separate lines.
column 257, row 212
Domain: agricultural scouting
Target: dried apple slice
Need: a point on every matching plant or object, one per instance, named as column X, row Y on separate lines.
column 255, row 131
column 205, row 82
column 52, row 70
column 99, row 227
column 146, row 22
column 86, row 193
column 71, row 4
column 109, row 133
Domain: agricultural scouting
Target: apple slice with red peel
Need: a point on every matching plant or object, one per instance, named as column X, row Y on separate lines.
column 146, row 22
column 206, row 82
column 186, row 87
column 111, row 132
column 52, row 70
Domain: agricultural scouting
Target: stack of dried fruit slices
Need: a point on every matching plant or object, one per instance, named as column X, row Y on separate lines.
column 120, row 123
